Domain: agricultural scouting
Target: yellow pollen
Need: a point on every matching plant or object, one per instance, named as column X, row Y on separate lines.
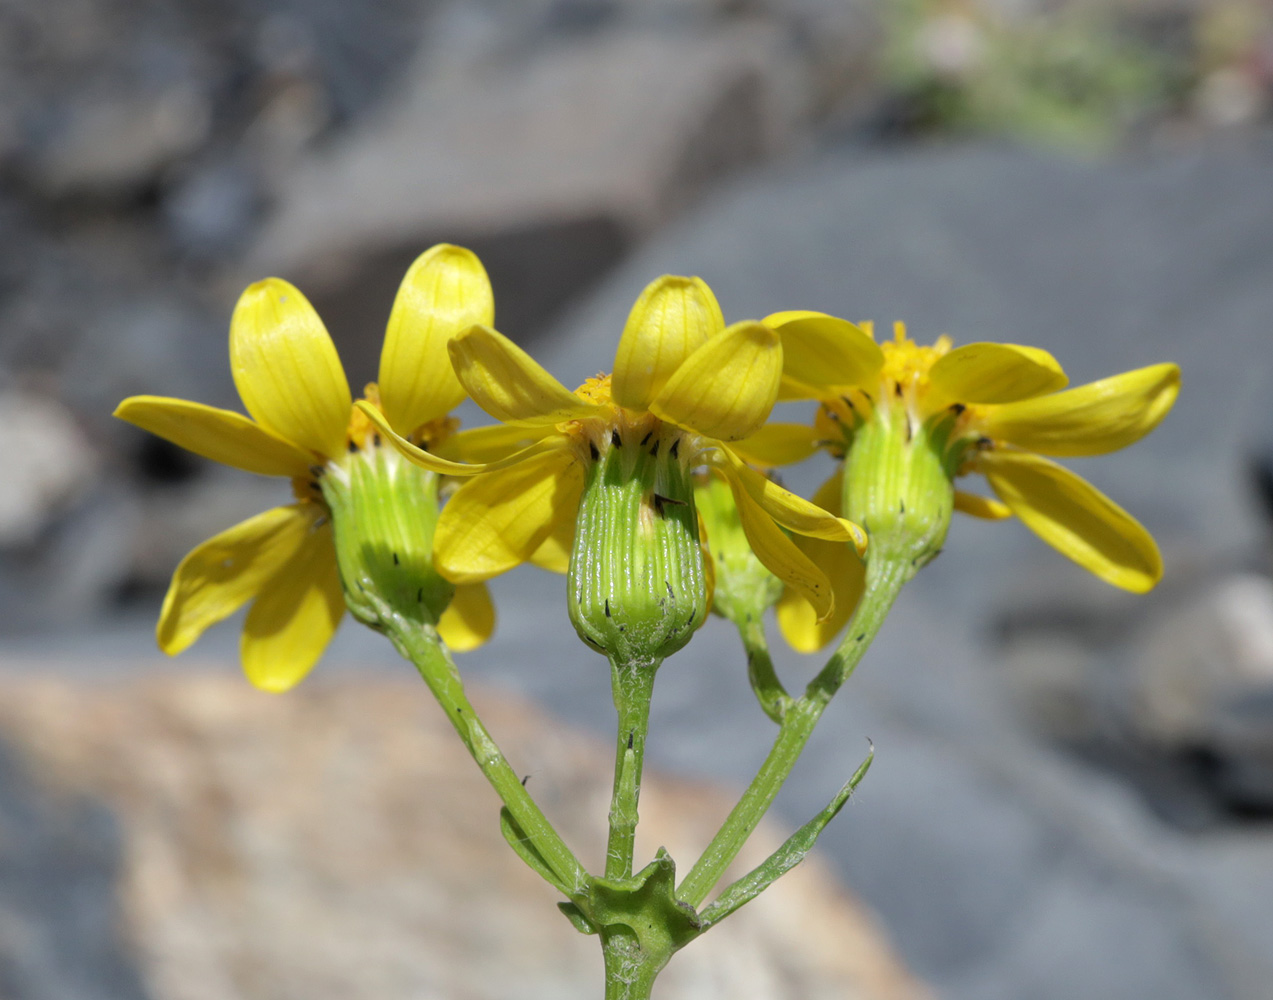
column 429, row 435
column 906, row 363
column 595, row 390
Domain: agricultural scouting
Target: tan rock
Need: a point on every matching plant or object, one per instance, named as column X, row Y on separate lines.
column 338, row 843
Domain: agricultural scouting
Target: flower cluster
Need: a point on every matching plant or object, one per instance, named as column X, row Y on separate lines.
column 649, row 487
column 600, row 481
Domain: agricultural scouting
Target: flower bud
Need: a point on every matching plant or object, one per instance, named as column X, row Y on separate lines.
column 745, row 588
column 637, row 585
column 898, row 483
column 384, row 510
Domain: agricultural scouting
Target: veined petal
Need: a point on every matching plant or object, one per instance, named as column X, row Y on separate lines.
column 286, row 368
column 777, row 444
column 789, row 390
column 469, row 619
column 497, row 521
column 508, row 383
column 444, row 292
column 847, row 573
column 789, row 510
column 779, row 553
column 228, row 570
column 1092, row 419
column 823, row 351
column 727, row 387
column 434, row 463
column 489, row 444
column 1074, row 518
column 554, row 554
column 294, row 617
column 672, row 319
column 996, row 373
column 221, row 435
column 982, row 507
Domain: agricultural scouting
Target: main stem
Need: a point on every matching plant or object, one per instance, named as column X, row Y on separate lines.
column 633, row 686
column 630, row 972
column 419, row 643
column 884, row 580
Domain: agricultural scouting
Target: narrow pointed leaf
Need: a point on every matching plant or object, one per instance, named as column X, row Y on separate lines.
column 790, row 854
column 524, row 849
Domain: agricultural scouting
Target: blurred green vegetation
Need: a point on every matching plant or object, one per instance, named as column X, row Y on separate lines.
column 1077, row 75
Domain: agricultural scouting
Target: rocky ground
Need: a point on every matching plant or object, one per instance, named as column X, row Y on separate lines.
column 184, row 838
column 1073, row 788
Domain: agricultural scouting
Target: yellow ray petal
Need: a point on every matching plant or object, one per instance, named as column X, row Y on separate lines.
column 508, row 383
column 823, row 351
column 469, row 619
column 672, row 319
column 1074, row 518
column 796, row 616
column 847, row 573
column 489, row 444
column 497, row 521
column 982, row 507
column 777, row 444
column 444, row 292
column 221, row 435
column 779, row 553
column 1092, row 419
column 228, row 570
column 789, row 510
column 286, row 368
column 995, row 373
column 727, row 387
column 434, row 463
column 789, row 390
column 292, row 621
column 554, row 554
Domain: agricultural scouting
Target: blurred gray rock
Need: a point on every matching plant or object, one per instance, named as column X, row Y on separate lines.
column 49, row 466
column 570, row 153
column 1205, row 661
column 119, row 143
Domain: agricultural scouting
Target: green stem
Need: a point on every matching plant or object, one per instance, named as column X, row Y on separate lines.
column 768, row 688
column 633, row 685
column 630, row 971
column 419, row 643
column 885, row 578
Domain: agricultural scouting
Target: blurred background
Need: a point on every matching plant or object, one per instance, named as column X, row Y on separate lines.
column 1073, row 793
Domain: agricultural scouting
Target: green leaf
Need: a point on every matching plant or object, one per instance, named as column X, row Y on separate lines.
column 790, row 854
column 527, row 851
column 575, row 915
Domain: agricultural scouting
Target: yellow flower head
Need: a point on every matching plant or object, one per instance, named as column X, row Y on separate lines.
column 994, row 409
column 683, row 383
column 303, row 425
